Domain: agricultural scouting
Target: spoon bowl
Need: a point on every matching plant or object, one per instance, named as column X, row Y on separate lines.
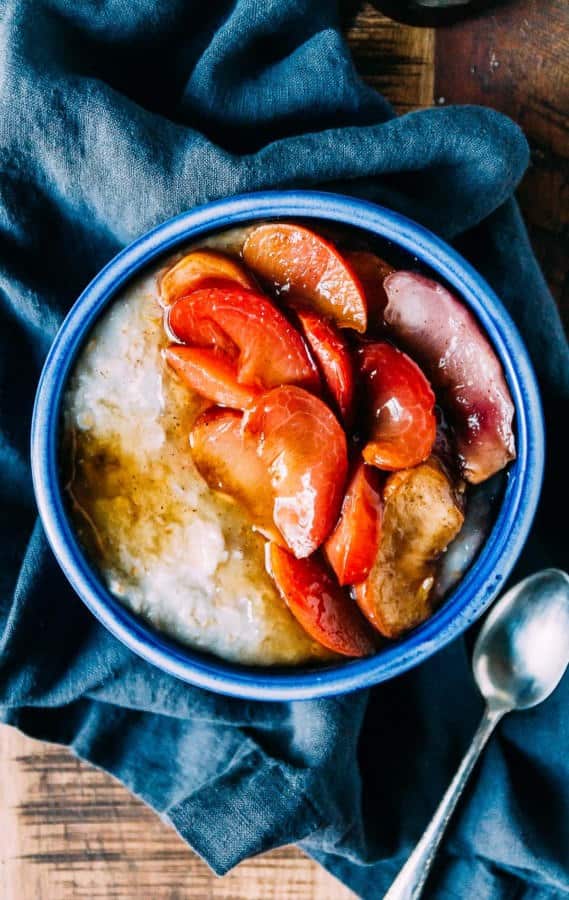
column 523, row 649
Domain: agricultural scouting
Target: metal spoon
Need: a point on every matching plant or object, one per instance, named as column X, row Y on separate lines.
column 519, row 659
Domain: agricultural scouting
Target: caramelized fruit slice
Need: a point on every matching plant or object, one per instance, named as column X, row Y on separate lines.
column 371, row 270
column 401, row 403
column 271, row 351
column 332, row 356
column 325, row 611
column 198, row 267
column 210, row 374
column 308, row 268
column 447, row 340
column 352, row 547
column 421, row 517
column 227, row 460
column 304, row 449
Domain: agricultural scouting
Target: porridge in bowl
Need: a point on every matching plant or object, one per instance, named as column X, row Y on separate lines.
column 269, row 442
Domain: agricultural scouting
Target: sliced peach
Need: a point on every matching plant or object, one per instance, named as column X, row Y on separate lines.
column 325, row 611
column 371, row 270
column 400, row 408
column 187, row 324
column 270, row 350
column 448, row 342
column 210, row 374
column 304, row 449
column 421, row 517
column 198, row 267
column 352, row 547
column 227, row 460
column 333, row 358
column 305, row 266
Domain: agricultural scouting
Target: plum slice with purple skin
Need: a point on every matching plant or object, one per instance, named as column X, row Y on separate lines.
column 445, row 338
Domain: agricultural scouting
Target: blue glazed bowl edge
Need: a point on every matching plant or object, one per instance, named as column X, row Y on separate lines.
column 481, row 583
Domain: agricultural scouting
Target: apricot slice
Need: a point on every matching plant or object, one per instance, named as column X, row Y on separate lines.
column 320, row 605
column 198, row 267
column 304, row 449
column 400, row 408
column 352, row 547
column 371, row 271
column 227, row 460
column 270, row 350
column 333, row 358
column 211, row 375
column 308, row 268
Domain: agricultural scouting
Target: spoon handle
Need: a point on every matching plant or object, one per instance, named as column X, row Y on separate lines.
column 411, row 879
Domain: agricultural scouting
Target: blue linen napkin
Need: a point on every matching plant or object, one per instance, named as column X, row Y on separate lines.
column 113, row 117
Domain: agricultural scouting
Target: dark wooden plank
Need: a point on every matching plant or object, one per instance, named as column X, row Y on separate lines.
column 395, row 59
column 516, row 60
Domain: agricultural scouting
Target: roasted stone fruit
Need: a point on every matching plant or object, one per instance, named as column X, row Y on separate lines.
column 354, row 403
column 352, row 547
column 399, row 403
column 421, row 517
column 210, row 374
column 445, row 338
column 325, row 611
column 308, row 268
column 227, row 460
column 247, row 327
column 333, row 358
column 303, row 447
column 371, row 271
column 198, row 268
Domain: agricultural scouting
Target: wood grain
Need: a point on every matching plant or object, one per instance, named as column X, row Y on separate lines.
column 70, row 832
column 516, row 60
column 395, row 59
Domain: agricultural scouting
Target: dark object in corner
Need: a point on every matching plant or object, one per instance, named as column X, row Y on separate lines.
column 433, row 12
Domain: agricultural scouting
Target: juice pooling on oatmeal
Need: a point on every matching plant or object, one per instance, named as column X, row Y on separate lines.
column 255, row 465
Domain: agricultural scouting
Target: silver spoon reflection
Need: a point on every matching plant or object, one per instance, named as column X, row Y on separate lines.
column 520, row 656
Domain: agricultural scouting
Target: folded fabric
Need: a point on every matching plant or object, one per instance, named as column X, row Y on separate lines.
column 115, row 116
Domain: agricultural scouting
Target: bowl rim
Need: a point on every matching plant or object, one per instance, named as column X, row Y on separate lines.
column 483, row 580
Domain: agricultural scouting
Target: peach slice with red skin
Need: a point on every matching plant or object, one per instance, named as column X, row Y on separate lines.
column 309, row 269
column 237, row 321
column 303, row 446
column 333, row 358
column 400, row 408
column 325, row 611
column 352, row 547
column 446, row 339
column 227, row 459
column 197, row 268
column 211, row 375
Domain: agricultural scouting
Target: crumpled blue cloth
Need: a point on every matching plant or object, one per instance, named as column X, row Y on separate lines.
column 113, row 117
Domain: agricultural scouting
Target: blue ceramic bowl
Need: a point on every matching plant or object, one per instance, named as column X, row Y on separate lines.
column 481, row 583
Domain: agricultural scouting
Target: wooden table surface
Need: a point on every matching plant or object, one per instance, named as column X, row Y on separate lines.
column 68, row 831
